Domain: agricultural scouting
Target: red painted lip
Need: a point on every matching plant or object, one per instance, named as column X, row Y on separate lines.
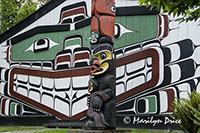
column 94, row 40
column 94, row 68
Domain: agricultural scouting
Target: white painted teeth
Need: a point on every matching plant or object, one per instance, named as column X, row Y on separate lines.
column 62, row 84
column 62, row 106
column 79, row 82
column 132, row 75
column 60, row 94
column 47, row 83
column 22, row 78
column 35, row 80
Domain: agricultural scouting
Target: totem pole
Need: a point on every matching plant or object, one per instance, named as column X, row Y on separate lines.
column 101, row 102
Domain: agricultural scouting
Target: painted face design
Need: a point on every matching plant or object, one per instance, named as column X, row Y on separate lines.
column 100, row 61
column 94, row 37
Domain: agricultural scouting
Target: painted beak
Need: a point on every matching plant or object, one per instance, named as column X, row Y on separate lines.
column 95, row 66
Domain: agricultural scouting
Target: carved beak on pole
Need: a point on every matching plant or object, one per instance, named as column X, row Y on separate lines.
column 95, row 66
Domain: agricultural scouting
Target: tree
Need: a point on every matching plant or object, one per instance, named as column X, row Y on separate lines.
column 188, row 9
column 13, row 11
column 42, row 2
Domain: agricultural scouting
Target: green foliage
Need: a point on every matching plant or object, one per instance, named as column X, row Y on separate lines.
column 13, row 11
column 26, row 9
column 188, row 9
column 188, row 110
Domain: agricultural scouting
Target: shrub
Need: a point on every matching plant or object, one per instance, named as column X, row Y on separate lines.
column 188, row 110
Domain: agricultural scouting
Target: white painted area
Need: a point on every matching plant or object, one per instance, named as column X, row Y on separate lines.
column 3, row 62
column 48, row 82
column 80, row 93
column 3, row 71
column 135, row 66
column 79, row 106
column 149, row 76
column 23, row 78
column 198, row 88
column 120, row 88
column 62, row 83
column 120, row 71
column 184, row 30
column 47, row 100
column 132, row 83
column 2, row 86
column 81, row 81
column 183, row 87
column 197, row 72
column 22, row 91
column 163, row 101
column 151, row 45
column 61, row 106
column 7, row 109
column 175, row 52
column 175, row 73
column 149, row 61
column 122, row 3
column 196, row 55
column 34, row 96
column 35, row 80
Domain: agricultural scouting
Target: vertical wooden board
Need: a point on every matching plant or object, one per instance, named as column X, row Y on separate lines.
column 152, row 25
column 130, row 23
column 137, row 25
column 143, row 28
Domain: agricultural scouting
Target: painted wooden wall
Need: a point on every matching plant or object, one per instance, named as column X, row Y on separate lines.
column 44, row 64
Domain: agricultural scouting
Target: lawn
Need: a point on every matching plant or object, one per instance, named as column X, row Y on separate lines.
column 18, row 128
column 62, row 130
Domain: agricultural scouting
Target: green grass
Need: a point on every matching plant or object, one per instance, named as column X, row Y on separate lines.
column 147, row 131
column 17, row 128
column 65, row 130
column 55, row 131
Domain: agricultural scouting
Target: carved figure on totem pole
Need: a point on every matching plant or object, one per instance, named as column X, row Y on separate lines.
column 101, row 102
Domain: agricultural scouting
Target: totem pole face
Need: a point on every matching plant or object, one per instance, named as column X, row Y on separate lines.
column 94, row 37
column 102, row 59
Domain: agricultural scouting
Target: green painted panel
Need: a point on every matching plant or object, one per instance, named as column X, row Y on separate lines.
column 72, row 42
column 146, row 27
column 12, row 109
column 19, row 54
column 152, row 103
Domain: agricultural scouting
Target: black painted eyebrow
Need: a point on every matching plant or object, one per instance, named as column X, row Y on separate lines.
column 102, row 47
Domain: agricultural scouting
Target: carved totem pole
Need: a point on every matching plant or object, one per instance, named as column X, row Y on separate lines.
column 101, row 102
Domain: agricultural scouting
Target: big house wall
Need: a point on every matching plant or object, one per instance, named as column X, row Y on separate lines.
column 44, row 65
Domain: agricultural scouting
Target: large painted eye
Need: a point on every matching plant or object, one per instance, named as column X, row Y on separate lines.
column 113, row 9
column 42, row 44
column 103, row 56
